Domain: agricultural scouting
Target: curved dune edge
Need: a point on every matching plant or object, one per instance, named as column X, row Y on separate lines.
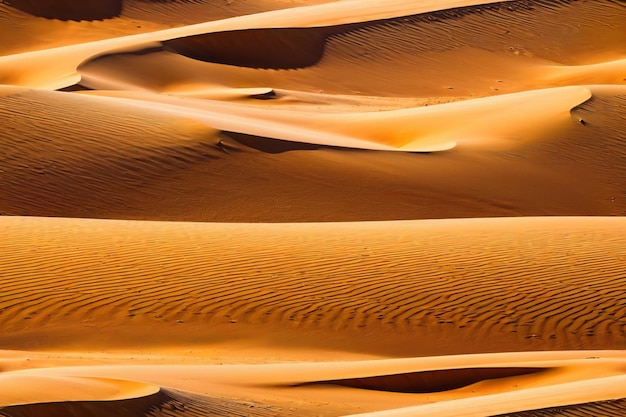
column 164, row 403
column 26, row 389
column 223, row 94
column 601, row 389
column 61, row 63
column 484, row 383
column 487, row 121
column 572, row 365
column 267, row 123
column 610, row 72
column 428, row 52
column 137, row 159
column 26, row 32
column 492, row 121
column 567, row 395
column 476, row 112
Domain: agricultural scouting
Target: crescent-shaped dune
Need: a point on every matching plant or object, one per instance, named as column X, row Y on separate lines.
column 57, row 388
column 358, row 208
column 144, row 150
column 482, row 384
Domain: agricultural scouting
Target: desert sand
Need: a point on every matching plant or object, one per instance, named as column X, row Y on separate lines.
column 313, row 208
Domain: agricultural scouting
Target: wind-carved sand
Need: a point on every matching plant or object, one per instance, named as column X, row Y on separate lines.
column 299, row 208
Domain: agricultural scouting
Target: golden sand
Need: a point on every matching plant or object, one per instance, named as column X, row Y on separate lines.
column 312, row 207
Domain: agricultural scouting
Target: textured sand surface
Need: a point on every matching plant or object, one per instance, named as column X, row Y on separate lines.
column 312, row 208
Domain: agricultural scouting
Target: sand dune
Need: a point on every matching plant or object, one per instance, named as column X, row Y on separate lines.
column 24, row 32
column 569, row 26
column 413, row 130
column 540, row 378
column 51, row 389
column 31, row 25
column 269, row 283
column 312, row 208
column 604, row 408
column 162, row 403
column 430, row 42
column 119, row 170
column 61, row 63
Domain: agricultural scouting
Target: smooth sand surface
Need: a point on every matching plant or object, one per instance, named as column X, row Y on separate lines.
column 312, row 208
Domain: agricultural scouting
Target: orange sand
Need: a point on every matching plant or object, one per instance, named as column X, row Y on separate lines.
column 312, row 207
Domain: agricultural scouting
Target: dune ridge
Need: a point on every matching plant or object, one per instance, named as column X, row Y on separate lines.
column 160, row 404
column 130, row 168
column 366, row 48
column 431, row 381
column 609, row 40
column 413, row 130
column 312, row 208
column 271, row 387
column 54, row 389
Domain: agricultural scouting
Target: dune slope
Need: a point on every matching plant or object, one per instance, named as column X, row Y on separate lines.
column 441, row 53
column 521, row 284
column 110, row 159
column 347, row 208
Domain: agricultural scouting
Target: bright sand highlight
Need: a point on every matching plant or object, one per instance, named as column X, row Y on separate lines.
column 304, row 208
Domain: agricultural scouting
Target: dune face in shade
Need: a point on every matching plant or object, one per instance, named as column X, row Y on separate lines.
column 284, row 48
column 69, row 9
column 340, row 208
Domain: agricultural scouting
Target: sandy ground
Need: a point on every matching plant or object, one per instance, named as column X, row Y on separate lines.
column 312, row 208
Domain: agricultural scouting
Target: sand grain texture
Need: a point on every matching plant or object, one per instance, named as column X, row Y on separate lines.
column 312, row 208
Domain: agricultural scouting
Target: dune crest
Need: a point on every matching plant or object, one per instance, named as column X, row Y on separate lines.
column 307, row 208
column 20, row 390
column 434, row 384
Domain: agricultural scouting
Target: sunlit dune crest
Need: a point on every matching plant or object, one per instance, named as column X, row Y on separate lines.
column 364, row 208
